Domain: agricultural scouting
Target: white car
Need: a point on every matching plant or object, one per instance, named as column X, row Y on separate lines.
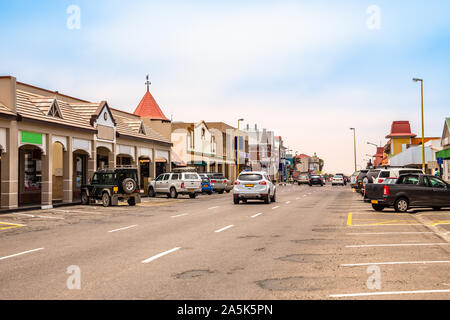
column 254, row 185
column 338, row 180
column 393, row 173
column 173, row 184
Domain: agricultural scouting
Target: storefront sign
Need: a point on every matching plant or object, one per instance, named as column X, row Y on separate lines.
column 31, row 137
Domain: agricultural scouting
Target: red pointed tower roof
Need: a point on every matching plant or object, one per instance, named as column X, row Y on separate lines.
column 148, row 108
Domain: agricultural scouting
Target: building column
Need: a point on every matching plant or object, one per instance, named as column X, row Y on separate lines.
column 47, row 166
column 153, row 165
column 92, row 161
column 10, row 170
column 112, row 157
column 68, row 172
column 170, row 161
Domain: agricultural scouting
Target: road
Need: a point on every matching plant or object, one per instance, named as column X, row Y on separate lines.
column 313, row 243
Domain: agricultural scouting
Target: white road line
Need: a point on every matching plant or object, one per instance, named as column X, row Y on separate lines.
column 368, row 233
column 180, row 215
column 398, row 245
column 386, row 293
column 47, row 217
column 159, row 255
column 288, row 202
column 393, row 263
column 24, row 214
column 124, row 228
column 20, row 253
column 212, row 208
column 255, row 215
column 224, row 228
column 297, row 198
column 276, row 207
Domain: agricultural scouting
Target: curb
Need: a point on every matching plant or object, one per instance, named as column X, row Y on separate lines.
column 439, row 231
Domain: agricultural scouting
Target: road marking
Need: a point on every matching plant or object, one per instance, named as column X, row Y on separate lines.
column 441, row 222
column 392, row 263
column 213, row 208
column 297, row 198
column 255, row 215
column 159, row 255
column 349, row 219
column 224, row 228
column 386, row 293
column 24, row 214
column 180, row 215
column 50, row 217
column 124, row 228
column 11, row 225
column 276, row 207
column 20, row 253
column 397, row 245
column 288, row 202
column 368, row 233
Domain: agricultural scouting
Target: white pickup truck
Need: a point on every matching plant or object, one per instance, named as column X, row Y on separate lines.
column 173, row 184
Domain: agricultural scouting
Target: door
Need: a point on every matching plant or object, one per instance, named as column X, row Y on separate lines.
column 441, row 192
column 165, row 183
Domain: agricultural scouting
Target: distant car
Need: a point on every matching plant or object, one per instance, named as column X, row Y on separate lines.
column 254, row 185
column 112, row 185
column 344, row 179
column 303, row 178
column 218, row 182
column 338, row 180
column 353, row 178
column 316, row 179
column 173, row 184
column 206, row 185
column 359, row 180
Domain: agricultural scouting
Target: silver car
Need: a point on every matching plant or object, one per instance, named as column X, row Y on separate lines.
column 173, row 184
column 254, row 185
column 218, row 182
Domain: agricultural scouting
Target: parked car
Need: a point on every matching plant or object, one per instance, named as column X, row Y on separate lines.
column 359, row 180
column 353, row 178
column 410, row 190
column 218, row 182
column 254, row 185
column 229, row 185
column 394, row 172
column 303, row 178
column 206, row 185
column 111, row 186
column 337, row 180
column 173, row 184
column 316, row 179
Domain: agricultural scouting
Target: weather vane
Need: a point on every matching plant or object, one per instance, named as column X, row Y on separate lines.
column 148, row 83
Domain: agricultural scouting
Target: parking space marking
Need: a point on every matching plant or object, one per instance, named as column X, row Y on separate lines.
column 397, row 245
column 48, row 217
column 24, row 214
column 276, row 207
column 213, row 208
column 255, row 215
column 224, row 228
column 124, row 228
column 379, row 233
column 21, row 253
column 10, row 225
column 287, row 202
column 349, row 219
column 437, row 223
column 386, row 293
column 159, row 255
column 393, row 263
column 180, row 215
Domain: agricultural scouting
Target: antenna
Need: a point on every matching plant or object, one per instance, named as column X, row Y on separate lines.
column 148, row 83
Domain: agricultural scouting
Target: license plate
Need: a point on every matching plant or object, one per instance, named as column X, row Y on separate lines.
column 191, row 189
column 374, row 201
column 249, row 185
column 205, row 186
column 219, row 181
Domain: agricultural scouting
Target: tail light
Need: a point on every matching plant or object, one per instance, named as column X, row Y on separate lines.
column 226, row 181
column 386, row 191
column 236, row 182
column 263, row 182
column 213, row 181
column 380, row 180
column 182, row 185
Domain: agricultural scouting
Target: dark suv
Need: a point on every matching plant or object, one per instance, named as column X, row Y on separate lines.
column 112, row 185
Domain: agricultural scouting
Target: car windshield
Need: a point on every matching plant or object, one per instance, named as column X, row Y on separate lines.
column 315, row 177
column 250, row 177
column 191, row 176
column 218, row 176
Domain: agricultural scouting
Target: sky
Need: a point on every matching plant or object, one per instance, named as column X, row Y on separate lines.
column 309, row 70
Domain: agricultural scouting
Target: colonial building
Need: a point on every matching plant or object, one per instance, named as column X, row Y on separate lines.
column 443, row 156
column 52, row 143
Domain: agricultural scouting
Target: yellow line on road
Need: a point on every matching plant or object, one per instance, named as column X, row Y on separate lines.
column 349, row 219
column 10, row 225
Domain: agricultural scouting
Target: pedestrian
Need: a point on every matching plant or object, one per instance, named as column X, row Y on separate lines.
column 437, row 173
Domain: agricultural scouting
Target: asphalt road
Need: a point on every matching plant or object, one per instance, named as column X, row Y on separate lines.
column 313, row 243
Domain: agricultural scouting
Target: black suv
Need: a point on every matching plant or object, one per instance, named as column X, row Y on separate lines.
column 112, row 185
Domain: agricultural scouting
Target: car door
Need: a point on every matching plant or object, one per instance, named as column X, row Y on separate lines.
column 165, row 183
column 95, row 184
column 441, row 192
column 158, row 182
column 415, row 190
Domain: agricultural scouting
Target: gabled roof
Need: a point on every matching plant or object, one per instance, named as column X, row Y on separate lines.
column 400, row 129
column 302, row 156
column 148, row 108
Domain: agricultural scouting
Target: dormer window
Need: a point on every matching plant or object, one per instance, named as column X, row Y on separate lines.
column 142, row 129
column 54, row 110
column 203, row 133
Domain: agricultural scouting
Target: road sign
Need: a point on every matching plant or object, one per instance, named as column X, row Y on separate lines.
column 440, row 160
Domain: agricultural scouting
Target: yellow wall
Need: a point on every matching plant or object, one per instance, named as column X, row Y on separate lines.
column 57, row 179
column 397, row 144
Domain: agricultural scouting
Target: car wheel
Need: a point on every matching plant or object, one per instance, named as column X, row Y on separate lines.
column 267, row 199
column 220, row 192
column 173, row 193
column 129, row 185
column 401, row 205
column 131, row 201
column 192, row 195
column 244, row 200
column 84, row 198
column 106, row 199
column 228, row 191
column 273, row 198
column 210, row 192
column 235, row 199
column 151, row 192
column 377, row 207
column 436, row 208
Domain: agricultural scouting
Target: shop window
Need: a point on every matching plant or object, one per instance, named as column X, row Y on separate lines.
column 32, row 170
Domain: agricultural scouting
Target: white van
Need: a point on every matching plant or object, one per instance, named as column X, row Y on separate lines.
column 393, row 173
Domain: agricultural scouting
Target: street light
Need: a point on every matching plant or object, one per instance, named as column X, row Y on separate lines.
column 354, row 144
column 423, row 140
column 237, row 151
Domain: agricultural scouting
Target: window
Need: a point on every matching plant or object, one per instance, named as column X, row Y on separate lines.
column 414, row 180
column 95, row 179
column 142, row 129
column 384, row 174
column 191, row 176
column 166, row 177
column 54, row 110
column 436, row 182
column 108, row 178
column 203, row 133
column 160, row 177
column 175, row 176
column 250, row 177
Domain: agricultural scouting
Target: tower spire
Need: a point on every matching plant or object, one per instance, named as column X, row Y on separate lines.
column 148, row 83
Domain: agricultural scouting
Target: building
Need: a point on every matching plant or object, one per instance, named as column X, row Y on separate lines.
column 302, row 163
column 443, row 156
column 52, row 143
column 400, row 134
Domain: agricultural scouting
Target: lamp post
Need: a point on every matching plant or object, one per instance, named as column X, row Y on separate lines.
column 354, row 144
column 423, row 139
column 237, row 151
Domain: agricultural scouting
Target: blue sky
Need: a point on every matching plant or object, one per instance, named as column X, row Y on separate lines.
column 308, row 69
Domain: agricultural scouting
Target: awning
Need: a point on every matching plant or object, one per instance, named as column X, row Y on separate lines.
column 199, row 163
column 444, row 154
column 160, row 160
column 176, row 159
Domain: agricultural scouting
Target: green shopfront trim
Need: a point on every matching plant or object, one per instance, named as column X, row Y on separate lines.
column 31, row 137
column 444, row 154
